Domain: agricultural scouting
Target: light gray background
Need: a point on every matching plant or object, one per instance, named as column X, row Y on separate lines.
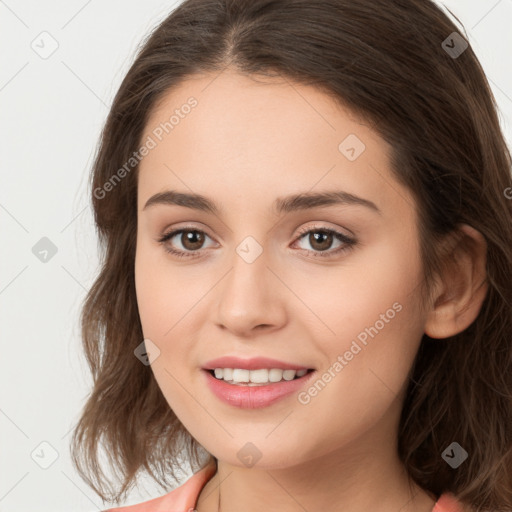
column 52, row 110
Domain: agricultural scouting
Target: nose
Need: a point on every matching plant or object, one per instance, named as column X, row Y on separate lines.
column 250, row 298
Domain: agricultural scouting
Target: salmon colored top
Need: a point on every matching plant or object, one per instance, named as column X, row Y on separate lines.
column 184, row 497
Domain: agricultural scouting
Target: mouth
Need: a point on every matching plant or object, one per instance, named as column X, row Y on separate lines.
column 258, row 377
column 234, row 386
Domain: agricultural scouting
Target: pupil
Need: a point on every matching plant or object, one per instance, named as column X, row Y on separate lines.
column 319, row 235
column 192, row 239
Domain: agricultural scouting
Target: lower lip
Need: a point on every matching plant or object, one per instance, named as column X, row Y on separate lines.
column 254, row 397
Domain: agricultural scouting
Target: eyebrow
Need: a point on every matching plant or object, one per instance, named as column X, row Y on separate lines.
column 291, row 203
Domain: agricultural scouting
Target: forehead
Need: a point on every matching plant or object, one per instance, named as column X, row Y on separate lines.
column 229, row 134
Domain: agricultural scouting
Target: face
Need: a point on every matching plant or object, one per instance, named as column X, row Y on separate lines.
column 329, row 285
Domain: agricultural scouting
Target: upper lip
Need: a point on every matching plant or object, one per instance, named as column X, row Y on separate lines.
column 253, row 363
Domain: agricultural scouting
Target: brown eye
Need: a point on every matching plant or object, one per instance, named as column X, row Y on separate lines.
column 320, row 240
column 192, row 240
column 184, row 242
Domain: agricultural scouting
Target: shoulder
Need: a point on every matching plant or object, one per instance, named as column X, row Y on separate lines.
column 447, row 502
column 181, row 499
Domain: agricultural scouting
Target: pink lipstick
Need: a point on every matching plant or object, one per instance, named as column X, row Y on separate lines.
column 256, row 382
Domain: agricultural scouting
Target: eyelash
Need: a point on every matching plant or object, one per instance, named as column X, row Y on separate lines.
column 348, row 242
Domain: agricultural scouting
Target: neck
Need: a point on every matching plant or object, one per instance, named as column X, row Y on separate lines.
column 354, row 478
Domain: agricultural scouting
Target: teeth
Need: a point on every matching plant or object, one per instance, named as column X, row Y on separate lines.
column 289, row 374
column 241, row 375
column 275, row 375
column 258, row 376
column 255, row 377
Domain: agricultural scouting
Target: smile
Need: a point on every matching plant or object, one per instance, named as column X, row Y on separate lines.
column 259, row 377
column 255, row 395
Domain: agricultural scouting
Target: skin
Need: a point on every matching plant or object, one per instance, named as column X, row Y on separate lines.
column 244, row 145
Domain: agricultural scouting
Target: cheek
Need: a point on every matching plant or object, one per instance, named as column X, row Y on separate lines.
column 376, row 285
column 166, row 292
column 369, row 324
column 167, row 297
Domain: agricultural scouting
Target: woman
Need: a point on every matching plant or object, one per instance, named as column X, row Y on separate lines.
column 305, row 291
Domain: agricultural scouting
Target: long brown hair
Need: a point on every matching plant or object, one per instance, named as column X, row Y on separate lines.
column 386, row 60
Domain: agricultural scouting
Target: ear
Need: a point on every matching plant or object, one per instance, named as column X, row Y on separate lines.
column 461, row 290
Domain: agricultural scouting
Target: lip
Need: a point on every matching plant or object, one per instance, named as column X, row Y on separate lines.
column 254, row 363
column 254, row 397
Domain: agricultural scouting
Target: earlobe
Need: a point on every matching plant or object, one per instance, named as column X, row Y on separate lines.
column 462, row 288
